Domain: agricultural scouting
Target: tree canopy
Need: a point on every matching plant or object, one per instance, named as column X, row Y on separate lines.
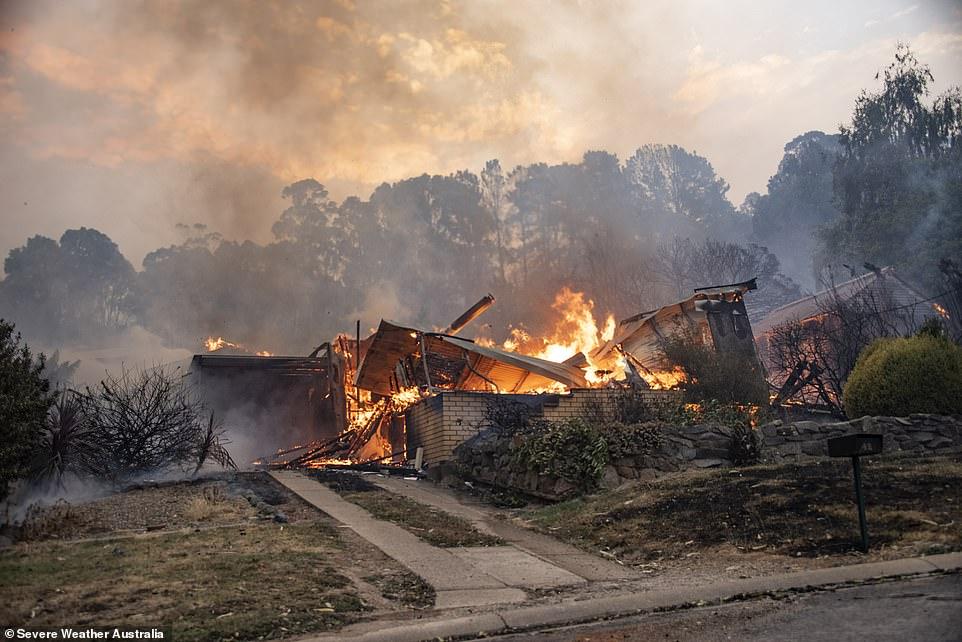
column 898, row 182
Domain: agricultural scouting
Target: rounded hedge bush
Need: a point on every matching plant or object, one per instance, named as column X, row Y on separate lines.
column 898, row 377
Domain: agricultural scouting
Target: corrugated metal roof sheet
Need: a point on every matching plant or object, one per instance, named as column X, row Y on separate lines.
column 885, row 283
column 641, row 335
column 391, row 343
column 509, row 371
column 520, row 372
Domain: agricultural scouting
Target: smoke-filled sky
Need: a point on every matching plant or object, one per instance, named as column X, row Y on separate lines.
column 133, row 116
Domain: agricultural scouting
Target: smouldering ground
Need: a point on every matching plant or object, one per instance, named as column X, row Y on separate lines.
column 434, row 526
column 803, row 513
column 212, row 581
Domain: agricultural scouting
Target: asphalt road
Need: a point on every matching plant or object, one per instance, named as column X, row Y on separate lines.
column 928, row 608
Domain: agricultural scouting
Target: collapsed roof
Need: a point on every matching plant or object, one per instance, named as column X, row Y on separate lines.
column 641, row 336
column 400, row 357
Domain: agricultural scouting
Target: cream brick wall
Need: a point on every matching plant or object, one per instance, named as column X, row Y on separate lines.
column 442, row 422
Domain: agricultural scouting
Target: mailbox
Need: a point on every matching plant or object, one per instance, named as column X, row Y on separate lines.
column 857, row 445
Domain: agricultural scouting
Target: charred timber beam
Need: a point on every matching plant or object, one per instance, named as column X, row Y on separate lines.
column 470, row 315
column 424, row 360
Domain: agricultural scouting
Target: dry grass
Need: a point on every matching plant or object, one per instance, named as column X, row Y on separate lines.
column 211, row 505
column 914, row 506
column 434, row 526
column 255, row 580
column 259, row 581
column 150, row 508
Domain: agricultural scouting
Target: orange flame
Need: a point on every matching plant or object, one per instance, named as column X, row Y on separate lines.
column 941, row 311
column 575, row 330
column 213, row 345
column 665, row 379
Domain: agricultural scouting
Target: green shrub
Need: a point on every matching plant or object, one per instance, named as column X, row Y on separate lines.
column 626, row 440
column 24, row 400
column 572, row 450
column 902, row 376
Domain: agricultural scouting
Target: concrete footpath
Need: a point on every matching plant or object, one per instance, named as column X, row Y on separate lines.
column 521, row 618
column 495, row 578
column 461, row 577
column 549, row 549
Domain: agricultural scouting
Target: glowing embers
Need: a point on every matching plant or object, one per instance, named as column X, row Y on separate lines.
column 376, row 435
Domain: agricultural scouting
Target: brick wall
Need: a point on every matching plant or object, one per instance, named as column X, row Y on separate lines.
column 438, row 424
column 424, row 424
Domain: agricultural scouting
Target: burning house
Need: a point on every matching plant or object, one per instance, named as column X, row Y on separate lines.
column 808, row 344
column 447, row 373
column 716, row 314
column 410, row 390
column 455, row 378
column 880, row 288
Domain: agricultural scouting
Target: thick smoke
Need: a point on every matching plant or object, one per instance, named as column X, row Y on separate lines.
column 133, row 116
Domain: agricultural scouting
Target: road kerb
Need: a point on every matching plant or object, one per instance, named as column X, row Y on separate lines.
column 575, row 611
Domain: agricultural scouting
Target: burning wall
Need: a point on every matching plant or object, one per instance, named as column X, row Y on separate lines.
column 715, row 314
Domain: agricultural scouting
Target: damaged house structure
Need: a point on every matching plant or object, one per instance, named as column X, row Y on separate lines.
column 416, row 394
column 274, row 401
column 456, row 378
column 715, row 314
column 880, row 288
column 877, row 303
column 452, row 373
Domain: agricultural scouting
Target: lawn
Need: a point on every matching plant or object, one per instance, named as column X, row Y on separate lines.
column 210, row 579
column 251, row 582
column 433, row 525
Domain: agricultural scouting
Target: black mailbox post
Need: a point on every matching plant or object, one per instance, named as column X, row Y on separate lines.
column 855, row 446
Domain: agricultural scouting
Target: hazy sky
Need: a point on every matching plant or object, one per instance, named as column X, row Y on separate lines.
column 132, row 116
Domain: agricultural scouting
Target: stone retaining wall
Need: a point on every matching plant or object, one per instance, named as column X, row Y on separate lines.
column 489, row 457
column 915, row 433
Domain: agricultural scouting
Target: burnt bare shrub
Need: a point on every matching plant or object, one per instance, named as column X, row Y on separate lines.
column 827, row 346
column 729, row 377
column 148, row 420
column 68, row 443
column 212, row 446
column 508, row 416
